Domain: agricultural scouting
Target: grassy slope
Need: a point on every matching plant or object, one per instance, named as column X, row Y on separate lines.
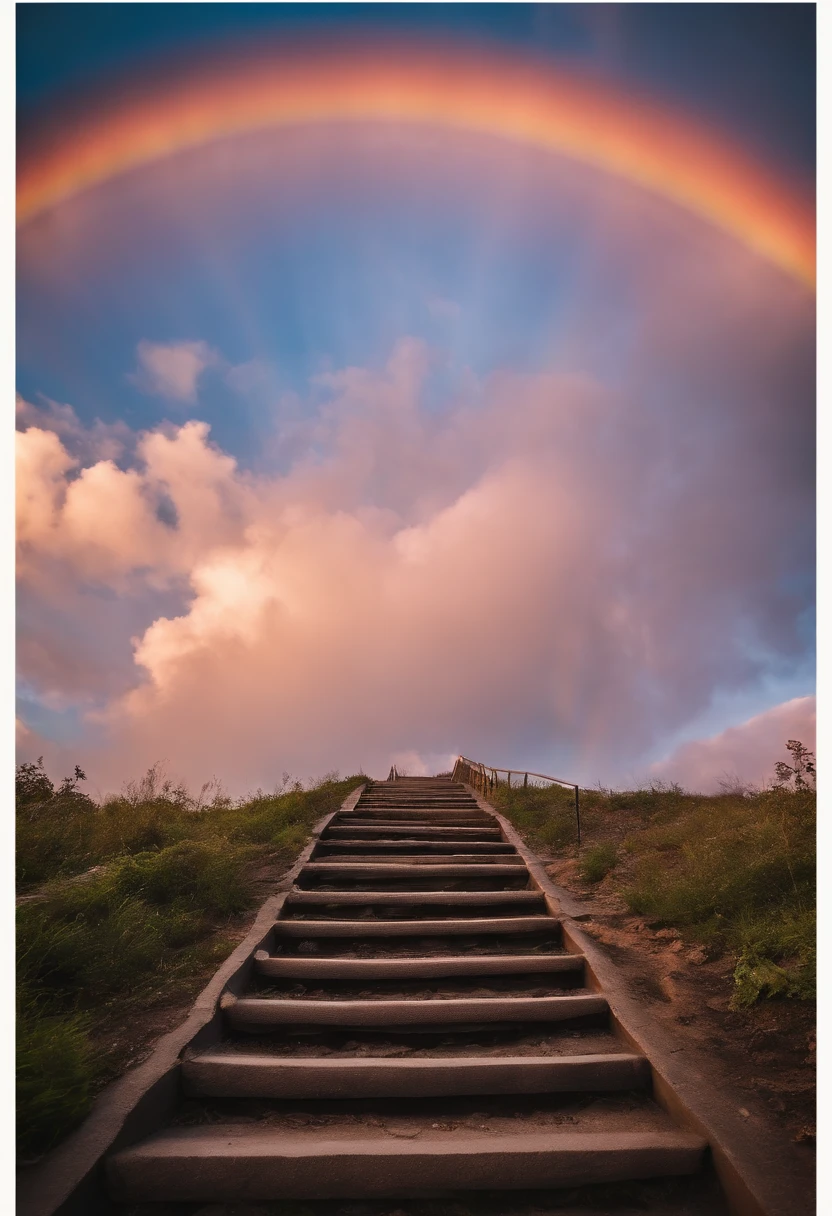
column 149, row 925
column 733, row 872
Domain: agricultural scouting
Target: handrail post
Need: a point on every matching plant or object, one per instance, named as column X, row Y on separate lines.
column 578, row 813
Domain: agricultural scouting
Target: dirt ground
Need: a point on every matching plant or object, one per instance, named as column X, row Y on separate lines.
column 764, row 1054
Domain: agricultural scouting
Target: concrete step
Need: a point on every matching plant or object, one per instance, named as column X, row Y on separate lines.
column 411, row 898
column 426, row 846
column 431, row 803
column 293, row 967
column 470, row 927
column 417, row 861
column 428, row 868
column 395, row 831
column 460, row 856
column 370, row 914
column 371, row 814
column 428, row 800
column 224, row 1164
column 250, row 1013
column 430, row 806
column 433, row 814
column 451, row 821
column 437, row 798
column 242, row 1075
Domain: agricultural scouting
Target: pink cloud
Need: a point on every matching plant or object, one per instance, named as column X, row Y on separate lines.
column 746, row 753
column 172, row 369
column 548, row 568
column 422, row 583
column 101, row 441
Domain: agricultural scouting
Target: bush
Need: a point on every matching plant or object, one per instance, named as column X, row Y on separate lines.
column 546, row 814
column 597, row 862
column 138, row 887
column 54, row 1077
column 205, row 875
column 727, row 861
column 735, row 871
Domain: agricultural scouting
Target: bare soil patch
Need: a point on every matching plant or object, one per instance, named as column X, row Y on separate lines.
column 764, row 1054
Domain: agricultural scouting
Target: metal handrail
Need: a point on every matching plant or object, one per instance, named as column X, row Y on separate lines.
column 484, row 778
column 393, row 775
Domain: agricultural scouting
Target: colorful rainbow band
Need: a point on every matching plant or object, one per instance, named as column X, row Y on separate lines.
column 495, row 95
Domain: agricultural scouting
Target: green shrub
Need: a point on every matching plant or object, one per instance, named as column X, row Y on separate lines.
column 597, row 862
column 727, row 859
column 545, row 814
column 206, row 874
column 135, row 888
column 54, row 1077
column 735, row 871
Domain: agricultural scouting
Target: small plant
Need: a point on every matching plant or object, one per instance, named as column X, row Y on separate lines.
column 757, row 977
column 801, row 772
column 598, row 861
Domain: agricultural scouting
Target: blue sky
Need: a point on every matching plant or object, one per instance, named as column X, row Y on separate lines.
column 276, row 261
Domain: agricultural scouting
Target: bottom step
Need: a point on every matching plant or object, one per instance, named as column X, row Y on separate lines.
column 225, row 1164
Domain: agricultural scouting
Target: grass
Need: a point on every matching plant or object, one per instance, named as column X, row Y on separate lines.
column 597, row 862
column 133, row 903
column 734, row 872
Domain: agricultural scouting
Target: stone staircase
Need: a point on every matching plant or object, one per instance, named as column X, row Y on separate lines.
column 415, row 1028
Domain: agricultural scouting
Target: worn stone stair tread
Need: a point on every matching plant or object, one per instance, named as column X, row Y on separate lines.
column 432, row 811
column 226, row 1075
column 429, row 810
column 298, row 896
column 430, row 857
column 292, row 967
column 401, row 821
column 414, row 928
column 431, row 814
column 428, row 869
column 416, row 831
column 448, row 847
column 445, row 818
column 405, row 840
column 352, row 1051
column 427, row 806
column 226, row 1163
column 278, row 1011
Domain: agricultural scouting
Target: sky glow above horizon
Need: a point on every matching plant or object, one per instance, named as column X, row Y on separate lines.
column 345, row 442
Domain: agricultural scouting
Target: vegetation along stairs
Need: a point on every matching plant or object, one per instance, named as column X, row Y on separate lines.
column 416, row 1021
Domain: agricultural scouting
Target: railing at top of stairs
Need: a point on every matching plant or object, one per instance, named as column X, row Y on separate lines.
column 486, row 777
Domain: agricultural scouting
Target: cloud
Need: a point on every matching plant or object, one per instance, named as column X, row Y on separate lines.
column 172, row 369
column 99, row 441
column 534, row 574
column 746, row 753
